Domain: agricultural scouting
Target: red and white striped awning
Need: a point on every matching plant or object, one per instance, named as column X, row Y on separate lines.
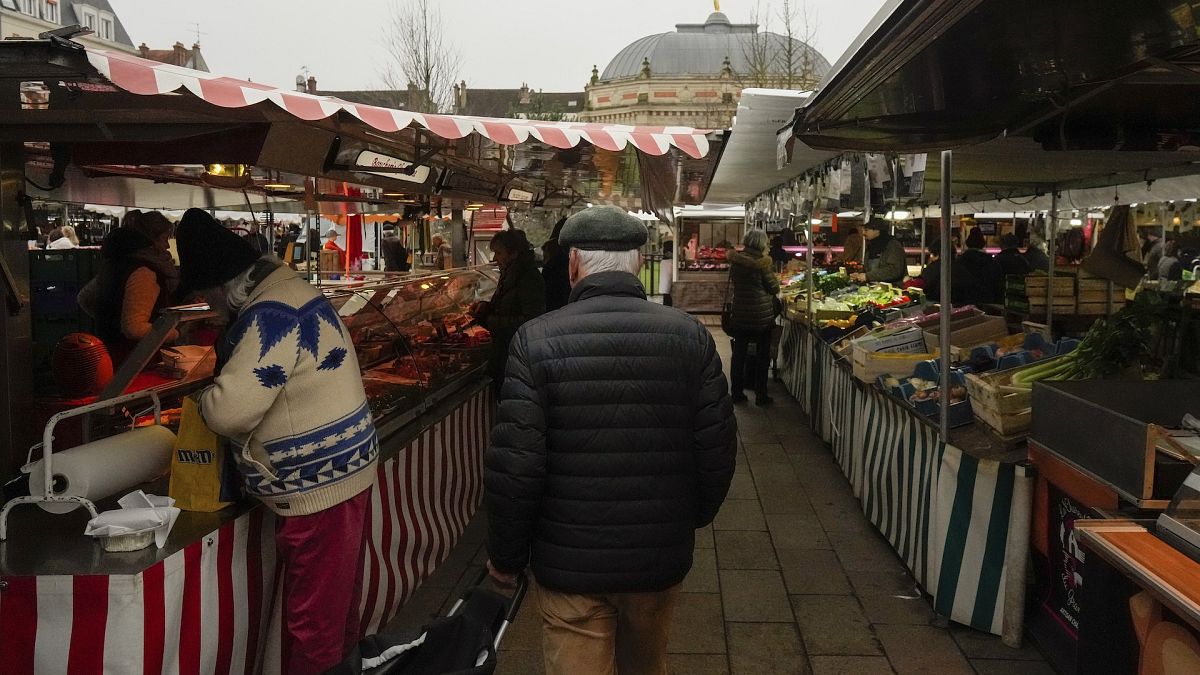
column 141, row 76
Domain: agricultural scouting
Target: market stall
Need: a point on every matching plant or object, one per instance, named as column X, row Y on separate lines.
column 208, row 598
column 421, row 367
column 959, row 519
column 904, row 89
column 703, row 239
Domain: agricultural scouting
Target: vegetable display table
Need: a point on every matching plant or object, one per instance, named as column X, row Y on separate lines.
column 958, row 519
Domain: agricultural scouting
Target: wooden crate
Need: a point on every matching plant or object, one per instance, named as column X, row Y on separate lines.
column 1091, row 297
column 1006, row 413
column 985, row 392
column 1038, row 305
column 868, row 366
column 968, row 334
column 1007, row 426
column 1035, row 284
column 1098, row 308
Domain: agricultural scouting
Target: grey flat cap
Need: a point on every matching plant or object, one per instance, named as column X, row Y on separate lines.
column 603, row 228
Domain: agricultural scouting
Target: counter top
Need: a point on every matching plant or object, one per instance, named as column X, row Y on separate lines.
column 40, row 543
column 1171, row 576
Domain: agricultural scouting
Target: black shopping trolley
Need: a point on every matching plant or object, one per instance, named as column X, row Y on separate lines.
column 464, row 642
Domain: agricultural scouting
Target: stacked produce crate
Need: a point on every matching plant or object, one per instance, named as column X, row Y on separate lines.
column 1096, row 296
column 1027, row 295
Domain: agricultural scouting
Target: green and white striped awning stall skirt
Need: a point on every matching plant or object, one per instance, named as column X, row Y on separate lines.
column 960, row 523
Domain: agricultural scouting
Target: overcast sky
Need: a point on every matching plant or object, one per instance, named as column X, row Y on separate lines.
column 551, row 44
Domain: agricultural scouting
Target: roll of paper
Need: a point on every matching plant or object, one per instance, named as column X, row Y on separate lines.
column 105, row 467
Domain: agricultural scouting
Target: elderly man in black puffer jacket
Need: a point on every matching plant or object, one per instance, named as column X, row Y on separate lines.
column 615, row 440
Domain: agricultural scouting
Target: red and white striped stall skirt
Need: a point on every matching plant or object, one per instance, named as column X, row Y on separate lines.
column 213, row 607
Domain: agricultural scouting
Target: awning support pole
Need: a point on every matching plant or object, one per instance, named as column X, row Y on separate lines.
column 946, row 300
column 811, row 355
column 1052, row 253
column 923, row 246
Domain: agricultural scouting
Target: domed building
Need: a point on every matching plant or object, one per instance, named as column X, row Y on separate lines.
column 694, row 75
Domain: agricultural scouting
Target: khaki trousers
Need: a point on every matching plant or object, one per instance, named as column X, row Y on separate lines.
column 623, row 633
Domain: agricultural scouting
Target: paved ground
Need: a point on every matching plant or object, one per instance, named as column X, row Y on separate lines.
column 790, row 578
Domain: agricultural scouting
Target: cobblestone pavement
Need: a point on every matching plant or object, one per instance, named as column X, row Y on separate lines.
column 790, row 578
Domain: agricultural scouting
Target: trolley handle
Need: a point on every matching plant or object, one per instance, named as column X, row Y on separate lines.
column 520, row 588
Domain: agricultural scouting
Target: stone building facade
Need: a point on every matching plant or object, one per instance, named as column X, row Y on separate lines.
column 694, row 75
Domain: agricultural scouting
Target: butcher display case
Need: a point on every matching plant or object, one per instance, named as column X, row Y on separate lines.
column 415, row 338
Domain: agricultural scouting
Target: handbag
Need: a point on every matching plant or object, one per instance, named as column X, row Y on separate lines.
column 198, row 464
column 727, row 308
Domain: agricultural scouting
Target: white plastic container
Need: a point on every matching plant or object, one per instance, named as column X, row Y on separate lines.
column 129, row 541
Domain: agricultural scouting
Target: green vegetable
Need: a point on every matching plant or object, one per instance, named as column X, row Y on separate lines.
column 1110, row 347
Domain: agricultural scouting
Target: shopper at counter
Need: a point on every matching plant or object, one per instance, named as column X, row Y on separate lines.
column 520, row 296
column 1036, row 254
column 884, row 255
column 1010, row 258
column 556, row 275
column 614, row 440
column 395, row 255
column 1169, row 266
column 981, row 276
column 137, row 279
column 62, row 238
column 753, row 287
column 289, row 396
column 1153, row 251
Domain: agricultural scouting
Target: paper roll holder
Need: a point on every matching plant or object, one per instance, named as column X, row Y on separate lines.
column 49, row 494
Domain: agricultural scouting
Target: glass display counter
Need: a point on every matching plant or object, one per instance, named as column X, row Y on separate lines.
column 415, row 338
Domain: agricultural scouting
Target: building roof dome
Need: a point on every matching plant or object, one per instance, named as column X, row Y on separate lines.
column 701, row 49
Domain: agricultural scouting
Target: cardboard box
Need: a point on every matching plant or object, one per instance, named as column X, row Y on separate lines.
column 968, row 333
column 906, row 340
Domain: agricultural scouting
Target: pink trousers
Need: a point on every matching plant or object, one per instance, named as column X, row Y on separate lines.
column 322, row 560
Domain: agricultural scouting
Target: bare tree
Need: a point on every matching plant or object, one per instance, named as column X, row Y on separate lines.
column 781, row 61
column 422, row 56
column 759, row 52
column 797, row 65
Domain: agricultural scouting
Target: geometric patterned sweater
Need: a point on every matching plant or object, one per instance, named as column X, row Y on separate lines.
column 291, row 399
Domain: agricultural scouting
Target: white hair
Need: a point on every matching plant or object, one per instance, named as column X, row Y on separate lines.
column 594, row 262
column 237, row 289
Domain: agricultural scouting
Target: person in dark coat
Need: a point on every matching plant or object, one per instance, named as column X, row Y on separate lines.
column 1170, row 268
column 395, row 255
column 981, row 277
column 778, row 254
column 753, row 287
column 883, row 259
column 1038, row 260
column 520, row 296
column 136, row 281
column 853, row 248
column 556, row 275
column 614, row 441
column 1153, row 254
column 1011, row 260
column 256, row 239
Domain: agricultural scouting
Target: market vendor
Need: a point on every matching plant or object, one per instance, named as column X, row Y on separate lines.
column 884, row 259
column 520, row 296
column 289, row 396
column 852, row 249
column 331, row 241
column 137, row 279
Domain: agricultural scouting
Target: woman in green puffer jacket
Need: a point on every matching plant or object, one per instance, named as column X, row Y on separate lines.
column 753, row 287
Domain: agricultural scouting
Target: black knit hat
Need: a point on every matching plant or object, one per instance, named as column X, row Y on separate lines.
column 209, row 255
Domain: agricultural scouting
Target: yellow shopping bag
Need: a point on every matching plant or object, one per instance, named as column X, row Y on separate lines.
column 198, row 463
